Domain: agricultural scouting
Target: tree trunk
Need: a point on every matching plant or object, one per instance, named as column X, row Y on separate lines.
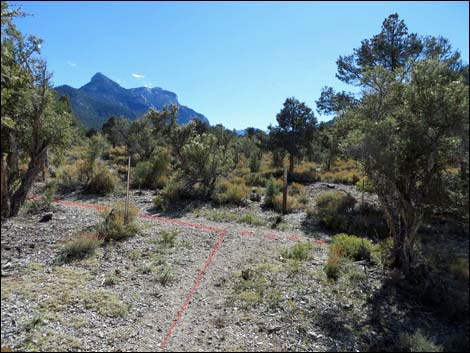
column 403, row 229
column 291, row 163
column 4, row 189
column 27, row 180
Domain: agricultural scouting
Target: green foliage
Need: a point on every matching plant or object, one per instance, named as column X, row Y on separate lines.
column 231, row 191
column 102, row 181
column 45, row 203
column 115, row 226
column 299, row 251
column 152, row 173
column 270, row 191
column 255, row 179
column 83, row 246
column 416, row 342
column 296, row 126
column 33, row 119
column 349, row 247
column 291, row 203
column 296, row 189
column 333, row 209
column 354, row 248
column 364, row 184
column 165, row 275
column 168, row 238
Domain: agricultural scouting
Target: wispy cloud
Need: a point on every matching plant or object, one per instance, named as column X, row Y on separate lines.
column 138, row 76
column 148, row 84
column 71, row 64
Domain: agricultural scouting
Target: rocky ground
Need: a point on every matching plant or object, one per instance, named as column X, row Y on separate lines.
column 249, row 297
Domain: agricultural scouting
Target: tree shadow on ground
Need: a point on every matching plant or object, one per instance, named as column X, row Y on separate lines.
column 403, row 307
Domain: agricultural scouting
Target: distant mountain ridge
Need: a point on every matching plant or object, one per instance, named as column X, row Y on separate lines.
column 101, row 98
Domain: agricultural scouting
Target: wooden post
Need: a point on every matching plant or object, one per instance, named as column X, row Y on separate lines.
column 127, row 191
column 284, row 192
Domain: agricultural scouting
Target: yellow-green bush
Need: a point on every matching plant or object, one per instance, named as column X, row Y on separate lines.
column 115, row 226
column 296, row 189
column 299, row 251
column 304, row 173
column 364, row 184
column 333, row 209
column 152, row 173
column 71, row 175
column 255, row 179
column 291, row 203
column 350, row 247
column 231, row 191
column 103, row 181
column 354, row 248
column 83, row 246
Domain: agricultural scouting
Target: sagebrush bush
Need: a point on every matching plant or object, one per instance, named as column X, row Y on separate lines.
column 102, row 181
column 333, row 208
column 83, row 246
column 296, row 189
column 299, row 251
column 291, row 203
column 72, row 175
column 304, row 173
column 152, row 173
column 333, row 264
column 354, row 248
column 344, row 246
column 255, row 179
column 416, row 342
column 231, row 191
column 115, row 227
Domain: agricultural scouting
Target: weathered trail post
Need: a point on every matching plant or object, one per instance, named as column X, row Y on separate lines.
column 126, row 217
column 284, row 192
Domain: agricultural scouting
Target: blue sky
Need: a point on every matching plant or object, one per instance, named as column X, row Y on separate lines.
column 234, row 62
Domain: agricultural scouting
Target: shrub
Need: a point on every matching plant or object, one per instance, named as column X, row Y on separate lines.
column 353, row 247
column 168, row 238
column 333, row 209
column 81, row 247
column 231, row 192
column 364, row 184
column 74, row 174
column 165, row 275
column 102, row 182
column 115, row 227
column 416, row 342
column 459, row 269
column 302, row 199
column 333, row 264
column 160, row 203
column 153, row 172
column 304, row 173
column 251, row 219
column 296, row 189
column 291, row 203
column 271, row 191
column 172, row 191
column 298, row 251
column 43, row 204
column 255, row 179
